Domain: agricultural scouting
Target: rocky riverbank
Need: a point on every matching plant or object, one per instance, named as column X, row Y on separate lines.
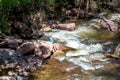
column 18, row 56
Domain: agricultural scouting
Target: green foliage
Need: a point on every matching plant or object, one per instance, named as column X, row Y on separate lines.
column 6, row 7
column 24, row 2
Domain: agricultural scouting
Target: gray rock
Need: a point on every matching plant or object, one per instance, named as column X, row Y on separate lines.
column 26, row 48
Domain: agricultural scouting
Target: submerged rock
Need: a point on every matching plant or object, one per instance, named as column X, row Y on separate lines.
column 57, row 46
column 117, row 51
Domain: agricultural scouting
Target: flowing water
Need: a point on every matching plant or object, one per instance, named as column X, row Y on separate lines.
column 88, row 61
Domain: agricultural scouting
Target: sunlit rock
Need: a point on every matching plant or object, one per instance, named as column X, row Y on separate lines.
column 109, row 25
column 43, row 48
column 68, row 26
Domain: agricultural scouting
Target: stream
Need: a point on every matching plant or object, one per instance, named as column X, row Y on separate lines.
column 88, row 61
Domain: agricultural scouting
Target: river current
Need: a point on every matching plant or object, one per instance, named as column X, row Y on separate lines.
column 88, row 40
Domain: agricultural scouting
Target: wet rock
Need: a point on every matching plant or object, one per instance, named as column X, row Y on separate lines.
column 68, row 26
column 43, row 48
column 108, row 47
column 46, row 44
column 109, row 25
column 26, row 48
column 57, row 46
column 59, row 53
column 108, row 43
column 112, row 50
column 63, row 69
column 117, row 20
column 117, row 51
column 43, row 51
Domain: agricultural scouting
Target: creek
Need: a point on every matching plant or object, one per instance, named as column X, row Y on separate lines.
column 87, row 62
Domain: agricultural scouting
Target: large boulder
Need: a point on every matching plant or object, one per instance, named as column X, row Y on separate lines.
column 67, row 26
column 26, row 48
column 43, row 48
column 109, row 25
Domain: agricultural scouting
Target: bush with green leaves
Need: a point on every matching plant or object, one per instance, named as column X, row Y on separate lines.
column 7, row 8
column 6, row 11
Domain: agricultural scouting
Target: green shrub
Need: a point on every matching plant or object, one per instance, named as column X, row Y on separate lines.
column 6, row 7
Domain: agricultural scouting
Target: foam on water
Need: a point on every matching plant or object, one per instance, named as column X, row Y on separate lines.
column 81, row 56
column 85, row 53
